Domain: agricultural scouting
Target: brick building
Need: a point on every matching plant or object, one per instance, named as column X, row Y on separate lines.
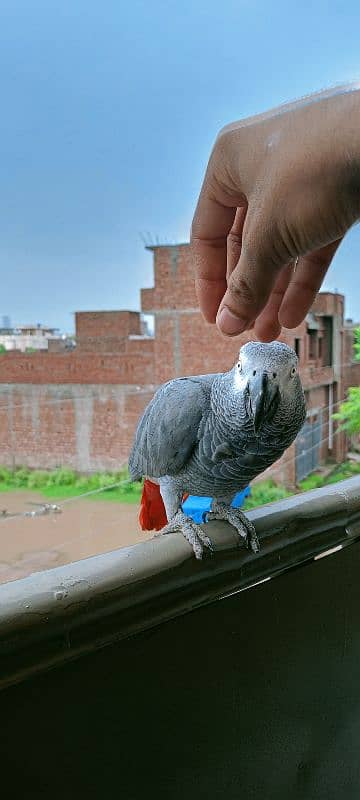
column 80, row 408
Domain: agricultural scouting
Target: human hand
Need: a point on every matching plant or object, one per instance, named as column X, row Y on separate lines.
column 280, row 188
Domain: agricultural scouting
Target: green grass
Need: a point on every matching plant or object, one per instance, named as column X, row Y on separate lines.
column 126, row 494
column 265, row 492
column 313, row 481
column 63, row 483
column 339, row 473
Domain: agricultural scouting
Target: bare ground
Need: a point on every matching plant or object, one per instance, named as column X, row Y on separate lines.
column 84, row 528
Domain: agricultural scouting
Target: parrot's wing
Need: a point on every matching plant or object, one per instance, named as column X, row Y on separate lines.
column 168, row 430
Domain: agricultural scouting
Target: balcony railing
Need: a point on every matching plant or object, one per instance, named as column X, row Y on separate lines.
column 236, row 676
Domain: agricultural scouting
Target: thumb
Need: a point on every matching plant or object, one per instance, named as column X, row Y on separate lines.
column 250, row 283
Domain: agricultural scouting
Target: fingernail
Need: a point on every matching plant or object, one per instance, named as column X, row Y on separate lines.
column 229, row 323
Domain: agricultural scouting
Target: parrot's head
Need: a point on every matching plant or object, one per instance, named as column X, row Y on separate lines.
column 268, row 376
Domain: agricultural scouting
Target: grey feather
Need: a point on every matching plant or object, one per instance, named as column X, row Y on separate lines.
column 170, row 427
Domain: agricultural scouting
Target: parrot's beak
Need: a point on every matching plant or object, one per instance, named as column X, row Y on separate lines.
column 264, row 399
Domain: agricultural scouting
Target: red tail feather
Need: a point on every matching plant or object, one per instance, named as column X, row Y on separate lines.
column 152, row 515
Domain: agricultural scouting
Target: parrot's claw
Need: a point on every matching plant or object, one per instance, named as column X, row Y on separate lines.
column 192, row 532
column 239, row 521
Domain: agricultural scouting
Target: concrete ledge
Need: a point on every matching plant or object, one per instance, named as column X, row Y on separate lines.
column 56, row 615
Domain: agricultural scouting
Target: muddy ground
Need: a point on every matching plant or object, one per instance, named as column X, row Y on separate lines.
column 84, row 528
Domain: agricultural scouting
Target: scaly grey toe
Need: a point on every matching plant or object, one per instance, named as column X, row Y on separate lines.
column 239, row 521
column 191, row 532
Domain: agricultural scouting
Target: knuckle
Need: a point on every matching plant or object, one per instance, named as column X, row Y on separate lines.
column 224, row 172
column 234, row 239
column 306, row 285
column 241, row 289
column 224, row 138
column 318, row 259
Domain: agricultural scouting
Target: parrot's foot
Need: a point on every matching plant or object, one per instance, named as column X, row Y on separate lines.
column 239, row 521
column 192, row 532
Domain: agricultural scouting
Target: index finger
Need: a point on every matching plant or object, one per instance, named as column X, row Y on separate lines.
column 211, row 225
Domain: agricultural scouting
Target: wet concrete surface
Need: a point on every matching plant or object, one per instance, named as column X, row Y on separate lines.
column 84, row 528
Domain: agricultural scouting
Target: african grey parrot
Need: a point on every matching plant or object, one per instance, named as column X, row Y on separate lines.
column 212, row 434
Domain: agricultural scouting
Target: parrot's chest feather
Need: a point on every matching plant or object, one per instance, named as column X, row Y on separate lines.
column 228, row 454
column 222, row 452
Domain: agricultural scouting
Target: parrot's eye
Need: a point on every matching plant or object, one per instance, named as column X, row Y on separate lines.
column 293, row 372
column 239, row 365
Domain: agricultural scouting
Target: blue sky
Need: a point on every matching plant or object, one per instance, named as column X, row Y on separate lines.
column 108, row 113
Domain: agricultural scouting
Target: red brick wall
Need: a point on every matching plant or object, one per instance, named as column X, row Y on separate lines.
column 134, row 366
column 174, row 280
column 186, row 345
column 283, row 471
column 329, row 303
column 105, row 331
column 85, row 427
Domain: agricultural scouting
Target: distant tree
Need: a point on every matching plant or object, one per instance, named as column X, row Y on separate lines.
column 349, row 411
column 2, row 348
column 357, row 344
